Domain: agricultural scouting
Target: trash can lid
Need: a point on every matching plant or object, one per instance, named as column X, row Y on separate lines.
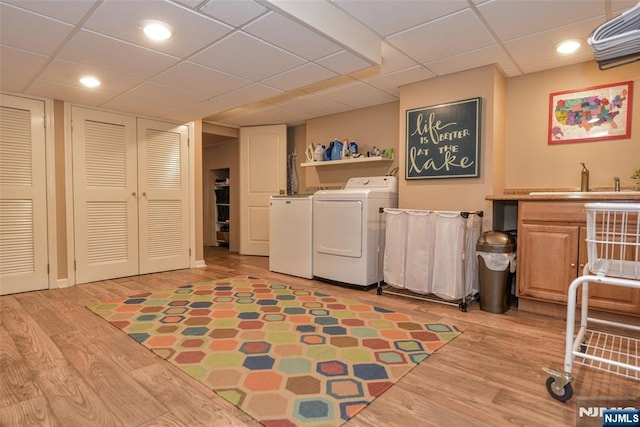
column 496, row 242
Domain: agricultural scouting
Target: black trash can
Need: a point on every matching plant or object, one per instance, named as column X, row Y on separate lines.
column 496, row 253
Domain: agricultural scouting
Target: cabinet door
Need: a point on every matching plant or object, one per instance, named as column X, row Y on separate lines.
column 607, row 297
column 547, row 257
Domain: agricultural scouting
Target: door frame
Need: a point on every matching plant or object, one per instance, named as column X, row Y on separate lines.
column 68, row 154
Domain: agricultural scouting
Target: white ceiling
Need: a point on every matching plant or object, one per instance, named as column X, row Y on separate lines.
column 246, row 62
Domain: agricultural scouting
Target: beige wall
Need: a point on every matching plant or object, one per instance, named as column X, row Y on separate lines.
column 198, row 177
column 61, row 207
column 297, row 143
column 373, row 126
column 223, row 155
column 457, row 194
column 531, row 162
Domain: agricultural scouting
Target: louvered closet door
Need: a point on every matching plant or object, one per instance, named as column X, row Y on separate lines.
column 105, row 195
column 23, row 208
column 164, row 202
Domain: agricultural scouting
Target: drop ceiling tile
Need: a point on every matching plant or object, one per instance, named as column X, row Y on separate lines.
column 233, row 12
column 137, row 107
column 247, row 57
column 477, row 58
column 90, row 97
column 123, row 20
column 213, row 106
column 197, row 78
column 291, row 36
column 619, row 6
column 512, row 19
column 299, row 77
column 166, row 95
column 315, row 105
column 391, row 82
column 68, row 73
column 394, row 60
column 181, row 115
column 68, row 11
column 539, row 48
column 447, row 37
column 25, row 30
column 357, row 95
column 12, row 82
column 106, row 53
column 343, row 62
column 21, row 62
column 252, row 93
column 389, row 17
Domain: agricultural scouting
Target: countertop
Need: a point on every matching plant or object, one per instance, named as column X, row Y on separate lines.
column 517, row 194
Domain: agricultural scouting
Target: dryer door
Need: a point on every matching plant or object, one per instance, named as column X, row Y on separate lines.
column 337, row 227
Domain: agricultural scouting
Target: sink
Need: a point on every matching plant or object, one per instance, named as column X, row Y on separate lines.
column 584, row 193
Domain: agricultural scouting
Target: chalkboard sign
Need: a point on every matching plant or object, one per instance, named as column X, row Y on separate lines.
column 443, row 141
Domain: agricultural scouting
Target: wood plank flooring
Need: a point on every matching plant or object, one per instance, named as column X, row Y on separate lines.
column 61, row 365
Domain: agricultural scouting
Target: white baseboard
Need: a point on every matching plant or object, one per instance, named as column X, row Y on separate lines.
column 200, row 263
column 62, row 283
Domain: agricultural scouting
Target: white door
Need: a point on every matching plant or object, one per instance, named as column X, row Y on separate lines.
column 163, row 196
column 263, row 173
column 105, row 195
column 23, row 207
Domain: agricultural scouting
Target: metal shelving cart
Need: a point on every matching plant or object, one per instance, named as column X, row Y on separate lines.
column 613, row 249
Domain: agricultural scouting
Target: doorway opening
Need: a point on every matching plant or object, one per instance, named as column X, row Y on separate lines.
column 220, row 208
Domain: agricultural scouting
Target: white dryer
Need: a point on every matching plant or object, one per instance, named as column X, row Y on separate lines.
column 347, row 225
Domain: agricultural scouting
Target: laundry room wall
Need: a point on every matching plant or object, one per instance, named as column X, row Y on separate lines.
column 369, row 127
column 458, row 194
column 532, row 162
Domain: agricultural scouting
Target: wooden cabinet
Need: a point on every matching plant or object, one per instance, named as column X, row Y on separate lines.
column 552, row 252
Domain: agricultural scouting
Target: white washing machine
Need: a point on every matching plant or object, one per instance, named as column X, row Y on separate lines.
column 347, row 225
column 290, row 235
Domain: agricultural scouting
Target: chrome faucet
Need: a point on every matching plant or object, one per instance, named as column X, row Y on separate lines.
column 616, row 183
column 584, row 178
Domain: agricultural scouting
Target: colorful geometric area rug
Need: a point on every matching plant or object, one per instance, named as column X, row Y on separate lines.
column 285, row 355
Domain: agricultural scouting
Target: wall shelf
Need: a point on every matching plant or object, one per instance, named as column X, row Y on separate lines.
column 346, row 161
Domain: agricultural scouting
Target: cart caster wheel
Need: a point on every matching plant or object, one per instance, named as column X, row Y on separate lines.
column 559, row 394
column 463, row 307
column 379, row 291
column 583, row 348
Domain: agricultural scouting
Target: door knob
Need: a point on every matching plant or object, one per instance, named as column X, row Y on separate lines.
column 133, row 194
column 573, row 264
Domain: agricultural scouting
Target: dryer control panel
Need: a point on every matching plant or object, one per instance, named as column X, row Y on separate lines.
column 380, row 183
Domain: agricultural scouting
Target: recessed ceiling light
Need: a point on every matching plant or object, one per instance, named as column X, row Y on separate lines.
column 89, row 81
column 568, row 46
column 157, row 30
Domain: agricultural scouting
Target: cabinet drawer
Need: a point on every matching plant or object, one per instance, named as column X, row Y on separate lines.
column 568, row 212
column 222, row 236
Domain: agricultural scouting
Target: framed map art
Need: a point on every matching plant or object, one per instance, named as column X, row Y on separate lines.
column 591, row 114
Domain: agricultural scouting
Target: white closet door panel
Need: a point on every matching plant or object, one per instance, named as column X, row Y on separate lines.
column 105, row 195
column 164, row 200
column 263, row 154
column 23, row 209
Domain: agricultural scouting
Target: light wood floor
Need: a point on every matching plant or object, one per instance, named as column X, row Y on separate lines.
column 62, row 365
